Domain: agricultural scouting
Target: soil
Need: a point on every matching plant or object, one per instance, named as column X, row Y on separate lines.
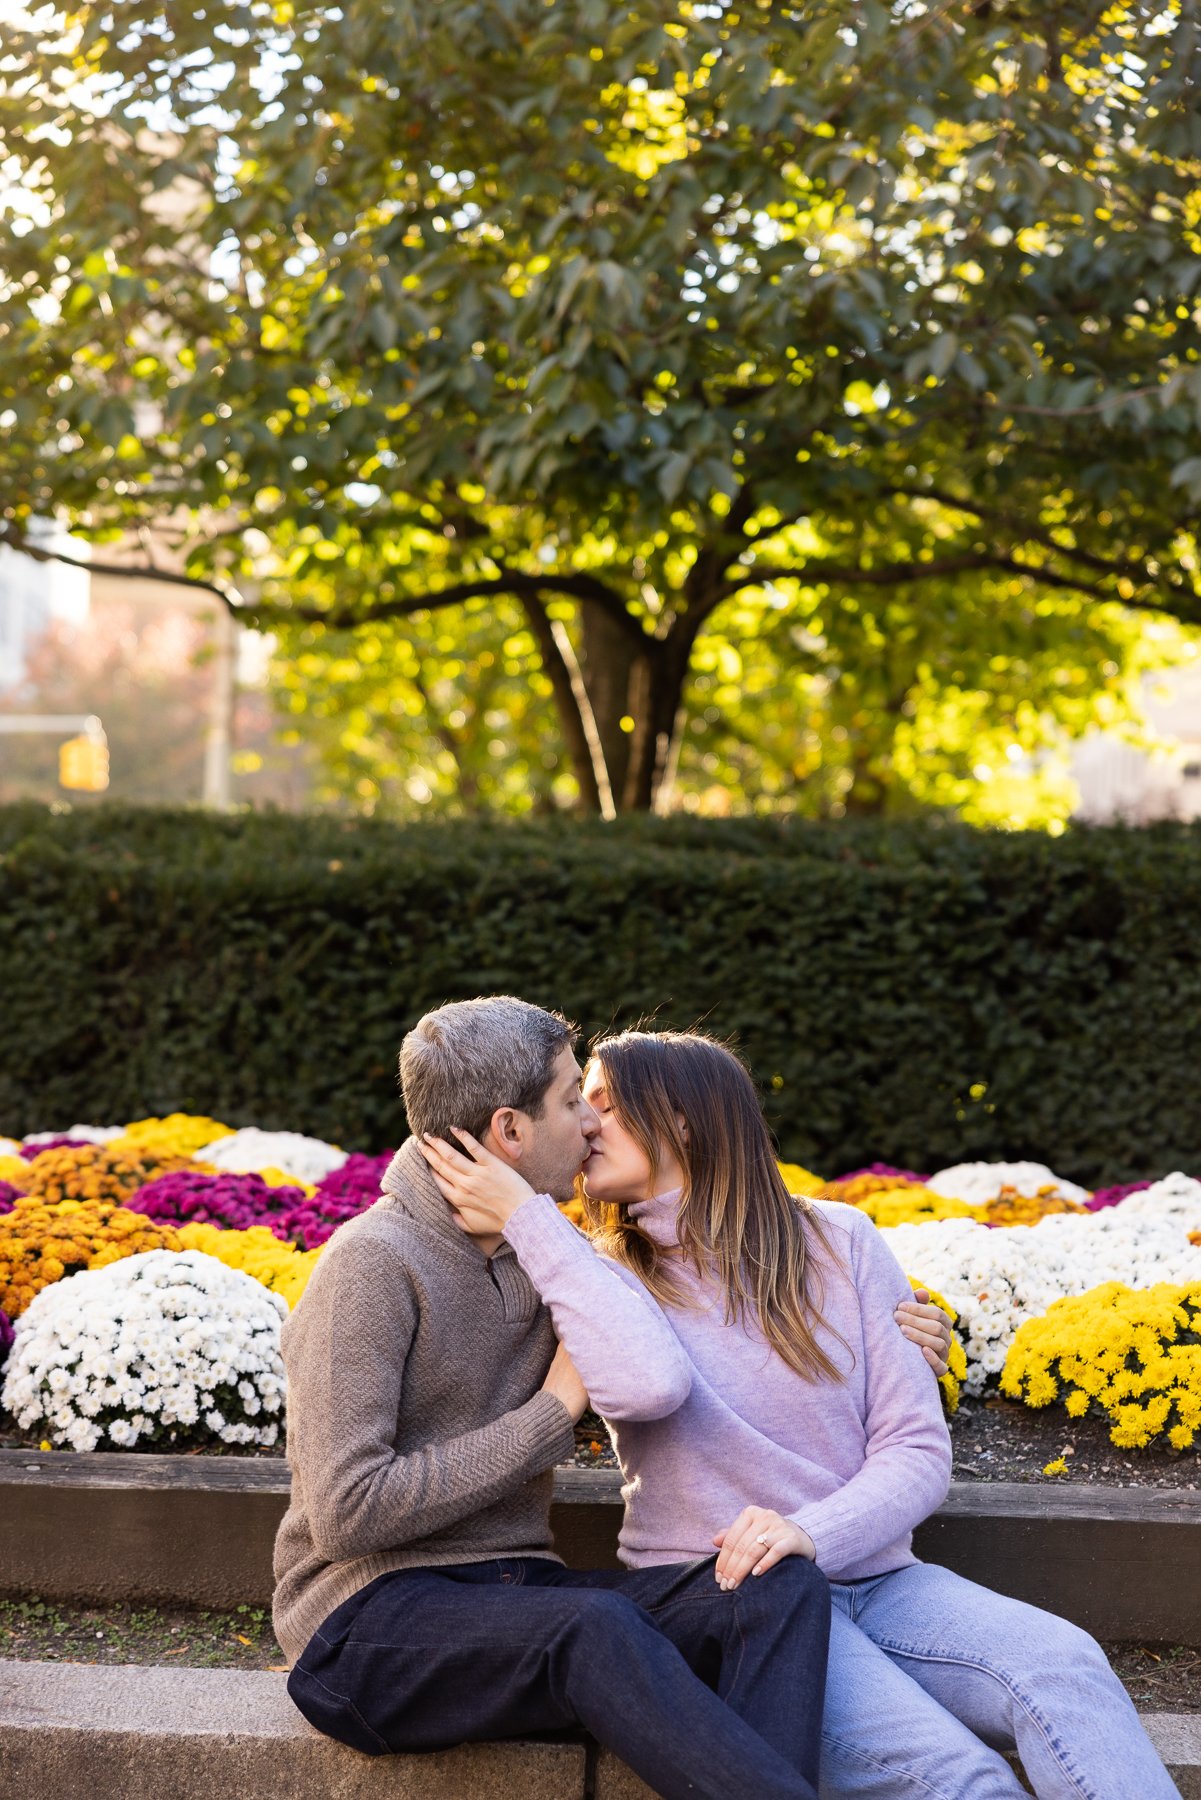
column 56, row 1631
column 999, row 1440
column 1158, row 1677
column 992, row 1440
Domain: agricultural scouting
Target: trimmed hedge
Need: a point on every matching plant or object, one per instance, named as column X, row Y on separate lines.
column 919, row 993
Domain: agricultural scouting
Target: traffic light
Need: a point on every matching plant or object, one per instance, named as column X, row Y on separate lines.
column 83, row 763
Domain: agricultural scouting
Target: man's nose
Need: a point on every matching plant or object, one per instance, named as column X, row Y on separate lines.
column 589, row 1120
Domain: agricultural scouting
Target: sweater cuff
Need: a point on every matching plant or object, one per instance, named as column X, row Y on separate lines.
column 837, row 1540
column 546, row 1429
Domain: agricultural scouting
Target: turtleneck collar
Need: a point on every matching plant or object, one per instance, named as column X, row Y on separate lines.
column 408, row 1182
column 659, row 1216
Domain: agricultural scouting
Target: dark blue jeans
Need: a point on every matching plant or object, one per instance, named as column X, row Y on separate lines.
column 707, row 1695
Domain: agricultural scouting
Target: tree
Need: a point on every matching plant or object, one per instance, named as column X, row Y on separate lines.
column 406, row 715
column 617, row 315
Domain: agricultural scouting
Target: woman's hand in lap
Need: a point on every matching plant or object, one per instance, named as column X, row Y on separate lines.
column 928, row 1327
column 758, row 1539
column 483, row 1190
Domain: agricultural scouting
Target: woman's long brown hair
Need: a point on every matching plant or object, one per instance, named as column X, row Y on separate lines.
column 687, row 1094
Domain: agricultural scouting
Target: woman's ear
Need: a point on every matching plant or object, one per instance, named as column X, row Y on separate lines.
column 682, row 1122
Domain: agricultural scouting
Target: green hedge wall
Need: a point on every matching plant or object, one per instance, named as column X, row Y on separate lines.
column 915, row 993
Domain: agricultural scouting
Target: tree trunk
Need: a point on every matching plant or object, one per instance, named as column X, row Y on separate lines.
column 659, row 721
column 574, row 733
column 609, row 659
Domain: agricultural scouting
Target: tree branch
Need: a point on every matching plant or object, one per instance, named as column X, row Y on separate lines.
column 225, row 592
column 575, row 711
column 894, row 574
column 1035, row 534
column 520, row 586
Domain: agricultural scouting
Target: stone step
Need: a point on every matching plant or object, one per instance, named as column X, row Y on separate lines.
column 73, row 1731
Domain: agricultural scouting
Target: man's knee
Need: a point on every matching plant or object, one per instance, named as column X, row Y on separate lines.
column 794, row 1583
column 600, row 1619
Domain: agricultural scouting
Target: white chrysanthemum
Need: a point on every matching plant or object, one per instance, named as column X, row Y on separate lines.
column 86, row 1134
column 979, row 1182
column 10, row 1146
column 98, row 1358
column 1176, row 1197
column 306, row 1159
column 997, row 1278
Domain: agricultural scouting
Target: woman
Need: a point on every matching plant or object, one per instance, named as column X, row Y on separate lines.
column 812, row 1429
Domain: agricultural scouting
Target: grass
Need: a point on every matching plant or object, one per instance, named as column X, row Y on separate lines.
column 1158, row 1677
column 47, row 1631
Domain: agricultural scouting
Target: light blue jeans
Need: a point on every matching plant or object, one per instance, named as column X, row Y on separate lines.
column 927, row 1671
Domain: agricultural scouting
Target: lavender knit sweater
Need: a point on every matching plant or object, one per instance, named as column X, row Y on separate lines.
column 857, row 1463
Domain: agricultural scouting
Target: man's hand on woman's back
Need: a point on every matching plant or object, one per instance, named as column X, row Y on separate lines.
column 928, row 1327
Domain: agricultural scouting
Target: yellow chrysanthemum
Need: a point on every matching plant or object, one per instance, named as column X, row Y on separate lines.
column 179, row 1134
column 799, row 1180
column 277, row 1178
column 278, row 1265
column 1134, row 1354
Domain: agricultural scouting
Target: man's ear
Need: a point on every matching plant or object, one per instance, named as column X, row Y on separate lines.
column 505, row 1134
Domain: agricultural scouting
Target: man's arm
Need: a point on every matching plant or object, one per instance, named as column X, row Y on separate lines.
column 345, row 1348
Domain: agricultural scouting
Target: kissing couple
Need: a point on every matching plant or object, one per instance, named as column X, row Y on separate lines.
column 768, row 1380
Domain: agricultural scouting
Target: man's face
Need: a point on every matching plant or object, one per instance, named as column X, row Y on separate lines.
column 556, row 1143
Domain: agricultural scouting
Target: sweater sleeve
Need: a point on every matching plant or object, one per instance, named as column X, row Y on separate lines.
column 345, row 1349
column 907, row 1464
column 628, row 1356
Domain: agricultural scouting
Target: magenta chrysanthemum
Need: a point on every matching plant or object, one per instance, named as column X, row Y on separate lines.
column 1113, row 1196
column 879, row 1168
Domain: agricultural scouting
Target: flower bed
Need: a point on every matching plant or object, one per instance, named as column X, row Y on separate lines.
column 165, row 1348
column 1134, row 1356
column 1002, row 1243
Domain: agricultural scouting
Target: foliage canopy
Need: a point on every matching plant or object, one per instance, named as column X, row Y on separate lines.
column 617, row 315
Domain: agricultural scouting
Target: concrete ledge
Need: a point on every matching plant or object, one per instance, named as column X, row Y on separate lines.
column 1176, row 1736
column 73, row 1731
column 199, row 1530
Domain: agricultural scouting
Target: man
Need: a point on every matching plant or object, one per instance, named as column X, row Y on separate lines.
column 418, row 1593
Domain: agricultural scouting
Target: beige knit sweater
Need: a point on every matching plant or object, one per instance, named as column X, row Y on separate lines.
column 418, row 1433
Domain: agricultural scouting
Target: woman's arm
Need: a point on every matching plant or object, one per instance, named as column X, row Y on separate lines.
column 627, row 1355
column 907, row 1464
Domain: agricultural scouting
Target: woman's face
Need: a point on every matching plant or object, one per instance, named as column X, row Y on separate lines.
column 617, row 1168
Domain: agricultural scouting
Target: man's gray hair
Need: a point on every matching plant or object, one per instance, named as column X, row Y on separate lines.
column 464, row 1060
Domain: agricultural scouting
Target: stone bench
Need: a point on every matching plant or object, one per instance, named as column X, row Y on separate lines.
column 72, row 1731
column 1125, row 1563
